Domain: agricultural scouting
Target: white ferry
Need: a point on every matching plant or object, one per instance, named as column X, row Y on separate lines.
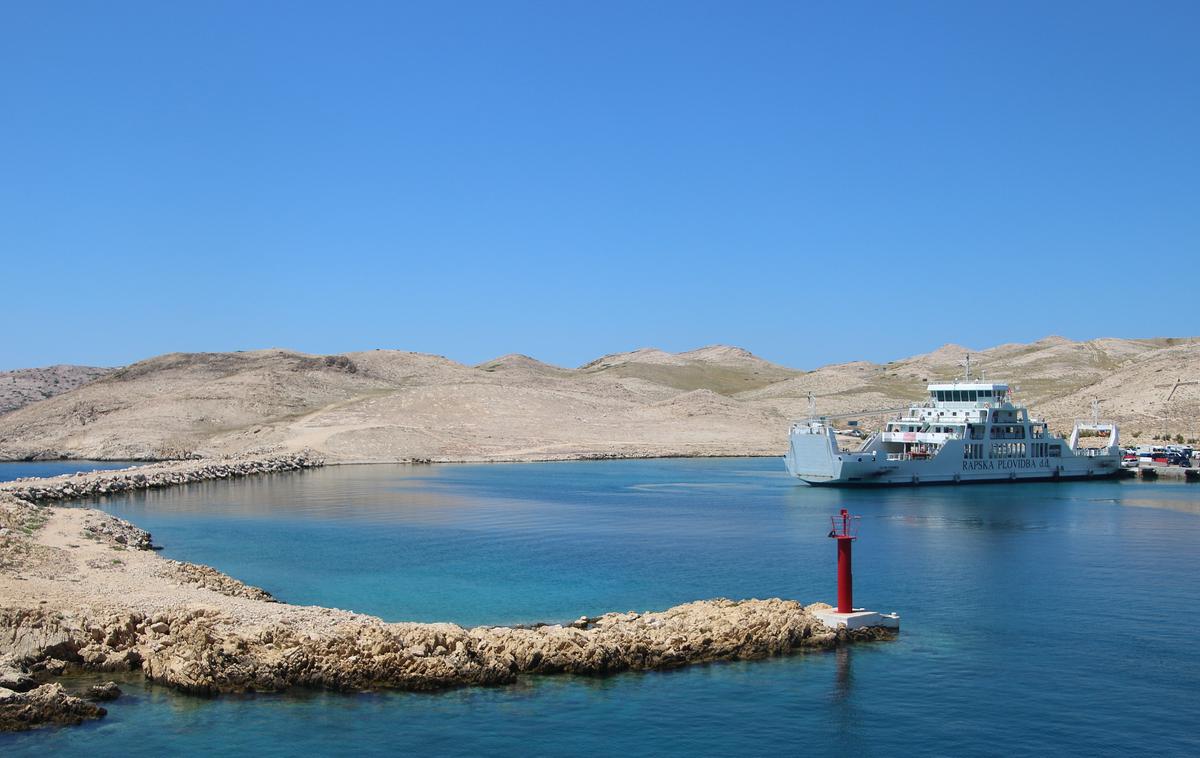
column 967, row 431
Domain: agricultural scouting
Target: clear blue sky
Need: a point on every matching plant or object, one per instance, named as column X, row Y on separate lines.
column 813, row 181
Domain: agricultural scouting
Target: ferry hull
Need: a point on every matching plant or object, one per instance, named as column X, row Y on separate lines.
column 917, row 481
column 814, row 458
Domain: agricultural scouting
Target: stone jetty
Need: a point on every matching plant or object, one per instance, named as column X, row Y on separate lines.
column 84, row 591
column 156, row 475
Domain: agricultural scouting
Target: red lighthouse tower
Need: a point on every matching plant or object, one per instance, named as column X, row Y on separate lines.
column 845, row 531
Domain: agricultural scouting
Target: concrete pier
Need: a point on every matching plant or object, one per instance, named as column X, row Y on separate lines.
column 1172, row 473
column 859, row 618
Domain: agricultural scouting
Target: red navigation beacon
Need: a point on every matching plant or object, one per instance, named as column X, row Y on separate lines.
column 845, row 531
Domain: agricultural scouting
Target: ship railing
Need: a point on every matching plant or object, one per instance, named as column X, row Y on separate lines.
column 1094, row 426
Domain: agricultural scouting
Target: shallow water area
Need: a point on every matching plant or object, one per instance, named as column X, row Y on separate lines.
column 1036, row 617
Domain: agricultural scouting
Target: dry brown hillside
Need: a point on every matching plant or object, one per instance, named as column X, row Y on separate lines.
column 29, row 385
column 388, row 405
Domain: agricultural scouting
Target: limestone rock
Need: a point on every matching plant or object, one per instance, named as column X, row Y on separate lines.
column 105, row 691
column 206, row 651
column 210, row 578
column 47, row 704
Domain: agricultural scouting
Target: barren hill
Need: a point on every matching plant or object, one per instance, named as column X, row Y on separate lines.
column 28, row 385
column 720, row 368
column 386, row 405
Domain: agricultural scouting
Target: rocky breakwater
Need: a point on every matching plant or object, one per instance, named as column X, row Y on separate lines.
column 153, row 476
column 206, row 651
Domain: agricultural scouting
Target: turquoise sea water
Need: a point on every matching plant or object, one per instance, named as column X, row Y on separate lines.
column 16, row 470
column 1037, row 618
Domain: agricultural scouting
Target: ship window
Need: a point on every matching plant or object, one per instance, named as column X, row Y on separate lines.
column 1008, row 450
column 1056, row 451
column 974, row 396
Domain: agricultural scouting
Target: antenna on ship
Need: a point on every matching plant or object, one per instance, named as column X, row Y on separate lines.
column 967, row 363
column 812, row 406
column 1096, row 411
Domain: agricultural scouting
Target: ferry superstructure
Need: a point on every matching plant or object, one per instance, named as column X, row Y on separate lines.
column 967, row 431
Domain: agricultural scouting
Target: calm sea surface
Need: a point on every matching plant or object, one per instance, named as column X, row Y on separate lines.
column 10, row 471
column 1037, row 618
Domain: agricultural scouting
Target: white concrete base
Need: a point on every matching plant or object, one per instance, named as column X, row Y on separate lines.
column 858, row 619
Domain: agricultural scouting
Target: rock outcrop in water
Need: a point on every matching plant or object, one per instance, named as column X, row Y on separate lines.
column 40, row 706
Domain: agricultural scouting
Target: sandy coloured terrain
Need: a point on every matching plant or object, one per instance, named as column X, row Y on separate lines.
column 388, row 405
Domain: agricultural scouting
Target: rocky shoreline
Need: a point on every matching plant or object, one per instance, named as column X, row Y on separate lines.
column 85, row 592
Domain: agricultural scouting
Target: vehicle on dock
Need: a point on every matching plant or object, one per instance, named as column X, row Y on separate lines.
column 967, row 431
column 1164, row 455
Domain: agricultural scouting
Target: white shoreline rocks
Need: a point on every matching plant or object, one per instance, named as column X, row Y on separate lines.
column 83, row 590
